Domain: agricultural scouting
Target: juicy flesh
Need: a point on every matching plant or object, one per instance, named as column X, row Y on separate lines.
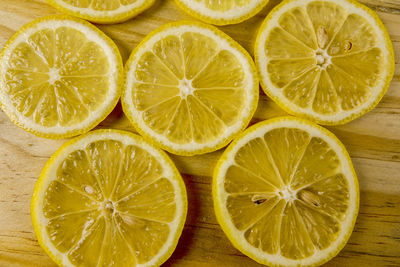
column 109, row 205
column 100, row 5
column 188, row 89
column 57, row 77
column 286, row 193
column 323, row 58
column 223, row 5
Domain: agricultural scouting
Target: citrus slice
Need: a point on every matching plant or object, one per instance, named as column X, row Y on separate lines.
column 108, row 198
column 189, row 88
column 102, row 11
column 222, row 12
column 329, row 61
column 286, row 194
column 59, row 77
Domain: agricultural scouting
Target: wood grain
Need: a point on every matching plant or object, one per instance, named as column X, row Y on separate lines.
column 373, row 142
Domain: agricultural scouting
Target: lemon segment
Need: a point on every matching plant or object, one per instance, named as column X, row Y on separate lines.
column 286, row 194
column 189, row 88
column 102, row 11
column 328, row 61
column 222, row 12
column 107, row 198
column 59, row 77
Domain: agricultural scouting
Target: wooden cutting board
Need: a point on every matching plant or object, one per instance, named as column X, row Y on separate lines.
column 373, row 142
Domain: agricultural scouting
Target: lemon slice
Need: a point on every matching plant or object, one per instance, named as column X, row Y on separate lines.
column 102, row 11
column 286, row 194
column 108, row 198
column 59, row 77
column 189, row 88
column 222, row 12
column 329, row 61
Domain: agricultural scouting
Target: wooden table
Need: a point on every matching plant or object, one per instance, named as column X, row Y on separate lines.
column 373, row 142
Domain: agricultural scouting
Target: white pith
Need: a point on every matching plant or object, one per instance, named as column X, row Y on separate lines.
column 237, row 236
column 106, row 206
column 54, row 75
column 323, row 58
column 185, row 88
column 277, row 93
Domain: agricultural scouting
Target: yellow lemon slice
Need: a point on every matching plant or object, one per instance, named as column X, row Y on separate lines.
column 59, row 77
column 222, row 12
column 286, row 194
column 329, row 61
column 189, row 88
column 108, row 198
column 102, row 11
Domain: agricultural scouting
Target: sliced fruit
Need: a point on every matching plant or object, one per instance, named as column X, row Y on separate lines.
column 59, row 77
column 102, row 11
column 189, row 88
column 286, row 194
column 222, row 12
column 329, row 61
column 108, row 198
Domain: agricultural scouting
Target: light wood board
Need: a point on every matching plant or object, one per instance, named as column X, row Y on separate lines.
column 373, row 142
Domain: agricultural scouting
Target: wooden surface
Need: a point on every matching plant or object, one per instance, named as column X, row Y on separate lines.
column 373, row 142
